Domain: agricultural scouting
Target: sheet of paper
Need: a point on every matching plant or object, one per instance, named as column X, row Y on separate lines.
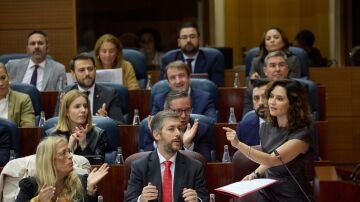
column 243, row 188
column 102, row 75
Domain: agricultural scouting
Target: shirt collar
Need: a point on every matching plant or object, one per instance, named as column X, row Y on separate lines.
column 193, row 57
column 6, row 97
column 162, row 158
column 41, row 64
column 91, row 89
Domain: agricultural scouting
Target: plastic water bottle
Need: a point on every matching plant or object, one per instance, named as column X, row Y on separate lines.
column 212, row 197
column 42, row 119
column 236, row 83
column 226, row 156
column 62, row 84
column 232, row 117
column 136, row 119
column 148, row 83
column 12, row 155
column 119, row 157
column 100, row 198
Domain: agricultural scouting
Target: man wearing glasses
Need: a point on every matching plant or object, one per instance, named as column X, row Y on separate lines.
column 195, row 135
column 196, row 58
column 178, row 76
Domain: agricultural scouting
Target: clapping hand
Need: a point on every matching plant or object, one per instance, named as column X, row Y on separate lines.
column 96, row 175
column 79, row 134
column 46, row 193
column 190, row 132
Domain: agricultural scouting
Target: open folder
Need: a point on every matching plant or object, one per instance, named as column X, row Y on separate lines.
column 243, row 188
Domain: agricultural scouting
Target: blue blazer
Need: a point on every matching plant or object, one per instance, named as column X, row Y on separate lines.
column 189, row 173
column 5, row 145
column 202, row 103
column 203, row 140
column 248, row 130
column 211, row 64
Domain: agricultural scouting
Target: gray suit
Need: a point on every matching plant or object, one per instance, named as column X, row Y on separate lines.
column 189, row 173
column 53, row 71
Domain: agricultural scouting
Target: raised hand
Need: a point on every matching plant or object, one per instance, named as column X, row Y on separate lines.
column 231, row 136
column 189, row 134
column 80, row 135
column 102, row 111
column 96, row 175
column 46, row 193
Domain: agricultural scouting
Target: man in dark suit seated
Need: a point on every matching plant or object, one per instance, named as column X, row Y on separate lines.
column 196, row 134
column 165, row 174
column 104, row 100
column 178, row 76
column 247, row 129
column 197, row 60
column 38, row 69
column 5, row 145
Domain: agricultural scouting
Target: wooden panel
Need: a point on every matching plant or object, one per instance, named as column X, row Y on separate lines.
column 220, row 139
column 218, row 175
column 230, row 74
column 230, row 97
column 111, row 187
column 30, row 138
column 141, row 100
column 48, row 102
column 129, row 139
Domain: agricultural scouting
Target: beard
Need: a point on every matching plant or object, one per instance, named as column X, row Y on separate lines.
column 83, row 84
column 190, row 48
column 260, row 111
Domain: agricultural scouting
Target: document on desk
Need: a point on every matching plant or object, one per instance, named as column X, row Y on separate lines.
column 243, row 188
column 102, row 75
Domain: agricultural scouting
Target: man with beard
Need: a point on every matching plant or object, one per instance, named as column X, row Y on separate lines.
column 38, row 69
column 104, row 100
column 197, row 136
column 275, row 69
column 166, row 174
column 248, row 129
column 196, row 58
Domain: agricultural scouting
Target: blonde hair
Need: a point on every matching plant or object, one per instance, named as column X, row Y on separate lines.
column 114, row 40
column 45, row 172
column 63, row 123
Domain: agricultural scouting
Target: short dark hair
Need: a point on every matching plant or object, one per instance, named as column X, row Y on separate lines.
column 178, row 64
column 155, row 34
column 257, row 83
column 81, row 56
column 189, row 25
column 173, row 95
column 38, row 32
column 305, row 37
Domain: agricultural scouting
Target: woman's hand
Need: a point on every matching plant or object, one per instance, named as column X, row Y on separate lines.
column 80, row 135
column 231, row 136
column 255, row 75
column 249, row 176
column 96, row 175
column 46, row 193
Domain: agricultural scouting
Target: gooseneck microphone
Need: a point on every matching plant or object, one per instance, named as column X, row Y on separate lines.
column 292, row 176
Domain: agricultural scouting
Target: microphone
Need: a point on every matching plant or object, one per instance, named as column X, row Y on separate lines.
column 292, row 176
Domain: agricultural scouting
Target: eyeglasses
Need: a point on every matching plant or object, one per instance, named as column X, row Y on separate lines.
column 64, row 153
column 180, row 111
column 191, row 37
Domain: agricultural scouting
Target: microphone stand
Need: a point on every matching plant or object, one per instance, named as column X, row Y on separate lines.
column 292, row 176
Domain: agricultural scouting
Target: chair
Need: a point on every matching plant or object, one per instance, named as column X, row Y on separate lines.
column 202, row 84
column 14, row 135
column 133, row 157
column 34, row 94
column 107, row 124
column 299, row 52
column 145, row 132
column 123, row 93
column 11, row 56
column 312, row 96
column 243, row 165
column 138, row 60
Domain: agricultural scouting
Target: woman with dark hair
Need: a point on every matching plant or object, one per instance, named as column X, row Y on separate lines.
column 149, row 42
column 284, row 138
column 274, row 39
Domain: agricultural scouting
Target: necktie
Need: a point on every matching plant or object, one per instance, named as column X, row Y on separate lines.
column 87, row 93
column 34, row 75
column 188, row 62
column 167, row 183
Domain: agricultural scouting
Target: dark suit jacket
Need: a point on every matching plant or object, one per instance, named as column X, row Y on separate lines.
column 248, row 130
column 5, row 145
column 102, row 94
column 203, row 141
column 202, row 103
column 189, row 173
column 213, row 66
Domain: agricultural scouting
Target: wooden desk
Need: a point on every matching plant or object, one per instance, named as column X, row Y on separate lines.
column 218, row 175
column 140, row 99
column 129, row 139
column 48, row 102
column 220, row 139
column 112, row 186
column 30, row 138
column 230, row 97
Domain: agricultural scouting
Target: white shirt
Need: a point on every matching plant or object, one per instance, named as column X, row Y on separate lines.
column 91, row 96
column 40, row 74
column 4, row 107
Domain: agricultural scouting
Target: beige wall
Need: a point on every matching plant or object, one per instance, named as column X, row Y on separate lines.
column 245, row 21
column 56, row 18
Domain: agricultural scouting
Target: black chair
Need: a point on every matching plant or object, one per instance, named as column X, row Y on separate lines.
column 14, row 135
column 34, row 94
column 138, row 61
column 107, row 124
column 124, row 96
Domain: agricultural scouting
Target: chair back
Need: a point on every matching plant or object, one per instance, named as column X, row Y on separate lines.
column 105, row 123
column 138, row 60
column 243, row 165
column 299, row 52
column 34, row 94
column 312, row 96
column 162, row 86
column 12, row 56
column 14, row 135
column 123, row 94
